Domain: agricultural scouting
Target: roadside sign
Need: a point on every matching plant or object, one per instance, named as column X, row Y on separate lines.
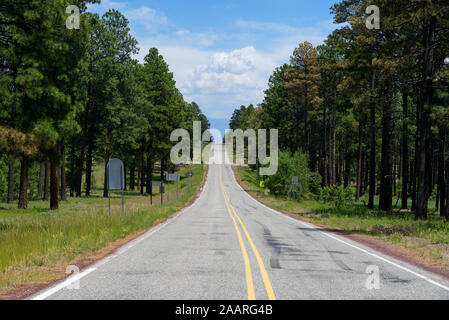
column 172, row 177
column 156, row 183
column 116, row 175
column 262, row 184
column 294, row 187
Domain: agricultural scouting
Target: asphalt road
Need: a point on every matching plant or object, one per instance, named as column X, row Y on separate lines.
column 228, row 246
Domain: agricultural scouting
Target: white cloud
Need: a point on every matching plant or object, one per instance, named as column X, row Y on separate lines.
column 229, row 79
column 196, row 39
column 218, row 81
column 222, row 80
column 238, row 61
column 149, row 17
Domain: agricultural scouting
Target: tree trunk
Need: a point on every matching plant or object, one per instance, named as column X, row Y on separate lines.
column 386, row 192
column 162, row 169
column 79, row 172
column 11, row 181
column 132, row 178
column 149, row 173
column 23, row 191
column 58, row 190
column 365, row 172
column 41, row 180
column 359, row 165
column 139, row 171
column 441, row 175
column 63, row 176
column 395, row 166
column 72, row 167
column 404, row 156
column 347, row 171
column 105, row 185
column 334, row 140
column 413, row 171
column 325, row 153
column 47, row 182
column 89, row 167
column 423, row 111
column 142, row 172
column 372, row 166
column 446, row 211
column 54, row 186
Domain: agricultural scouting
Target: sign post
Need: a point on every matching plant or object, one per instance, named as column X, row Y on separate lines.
column 174, row 177
column 295, row 184
column 261, row 186
column 161, row 188
column 116, row 180
column 189, row 175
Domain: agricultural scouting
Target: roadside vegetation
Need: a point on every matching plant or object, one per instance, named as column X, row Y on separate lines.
column 368, row 109
column 36, row 245
column 427, row 241
column 72, row 98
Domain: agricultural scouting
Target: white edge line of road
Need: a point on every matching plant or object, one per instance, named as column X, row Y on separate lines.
column 326, row 233
column 76, row 277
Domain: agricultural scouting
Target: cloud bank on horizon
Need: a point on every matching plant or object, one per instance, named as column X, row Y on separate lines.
column 222, row 54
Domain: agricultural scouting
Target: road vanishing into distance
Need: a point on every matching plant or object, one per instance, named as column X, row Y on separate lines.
column 228, row 246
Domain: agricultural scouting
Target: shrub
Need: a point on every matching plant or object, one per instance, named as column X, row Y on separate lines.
column 315, row 183
column 289, row 166
column 337, row 194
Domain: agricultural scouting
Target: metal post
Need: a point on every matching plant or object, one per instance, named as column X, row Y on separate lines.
column 122, row 187
column 107, row 186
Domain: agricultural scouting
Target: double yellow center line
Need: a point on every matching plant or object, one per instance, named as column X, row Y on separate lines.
column 249, row 278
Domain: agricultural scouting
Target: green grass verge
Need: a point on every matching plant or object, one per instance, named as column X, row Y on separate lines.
column 36, row 243
column 427, row 240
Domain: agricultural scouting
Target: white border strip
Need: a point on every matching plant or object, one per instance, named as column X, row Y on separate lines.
column 326, row 233
column 76, row 277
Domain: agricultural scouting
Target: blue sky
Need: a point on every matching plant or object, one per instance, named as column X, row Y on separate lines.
column 223, row 52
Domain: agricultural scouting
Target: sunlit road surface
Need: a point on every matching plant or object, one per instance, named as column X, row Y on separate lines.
column 229, row 246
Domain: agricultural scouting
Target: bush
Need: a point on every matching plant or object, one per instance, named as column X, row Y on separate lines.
column 289, row 166
column 337, row 194
column 315, row 183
